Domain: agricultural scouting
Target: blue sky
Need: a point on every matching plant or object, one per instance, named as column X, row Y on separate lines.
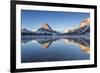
column 32, row 19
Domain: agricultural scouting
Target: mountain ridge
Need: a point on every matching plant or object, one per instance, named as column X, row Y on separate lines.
column 45, row 29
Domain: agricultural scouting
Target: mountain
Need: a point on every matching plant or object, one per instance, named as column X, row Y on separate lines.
column 80, row 31
column 84, row 23
column 46, row 29
column 83, row 29
column 25, row 31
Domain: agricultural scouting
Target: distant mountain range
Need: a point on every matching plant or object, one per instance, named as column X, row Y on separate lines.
column 80, row 31
column 24, row 30
column 45, row 29
column 83, row 29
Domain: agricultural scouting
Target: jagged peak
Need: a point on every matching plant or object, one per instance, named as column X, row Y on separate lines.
column 46, row 26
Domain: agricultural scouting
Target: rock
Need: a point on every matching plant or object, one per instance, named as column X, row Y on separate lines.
column 46, row 26
column 85, row 22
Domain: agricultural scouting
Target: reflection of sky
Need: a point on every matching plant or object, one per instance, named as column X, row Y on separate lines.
column 57, row 20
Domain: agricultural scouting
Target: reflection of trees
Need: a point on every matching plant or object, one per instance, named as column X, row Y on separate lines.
column 84, row 42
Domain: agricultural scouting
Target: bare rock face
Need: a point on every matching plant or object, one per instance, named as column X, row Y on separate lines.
column 46, row 29
column 85, row 22
column 46, row 26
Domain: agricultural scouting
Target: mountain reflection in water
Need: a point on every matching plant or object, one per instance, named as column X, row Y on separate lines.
column 67, row 45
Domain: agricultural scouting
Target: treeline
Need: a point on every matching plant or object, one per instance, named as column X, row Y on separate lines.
column 36, row 34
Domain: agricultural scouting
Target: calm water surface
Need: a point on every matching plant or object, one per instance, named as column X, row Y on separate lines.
column 49, row 48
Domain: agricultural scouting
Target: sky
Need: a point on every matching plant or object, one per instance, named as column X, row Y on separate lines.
column 59, row 21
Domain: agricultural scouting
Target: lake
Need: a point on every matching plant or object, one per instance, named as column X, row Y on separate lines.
column 54, row 48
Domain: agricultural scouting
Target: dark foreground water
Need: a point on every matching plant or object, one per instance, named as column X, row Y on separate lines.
column 51, row 48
